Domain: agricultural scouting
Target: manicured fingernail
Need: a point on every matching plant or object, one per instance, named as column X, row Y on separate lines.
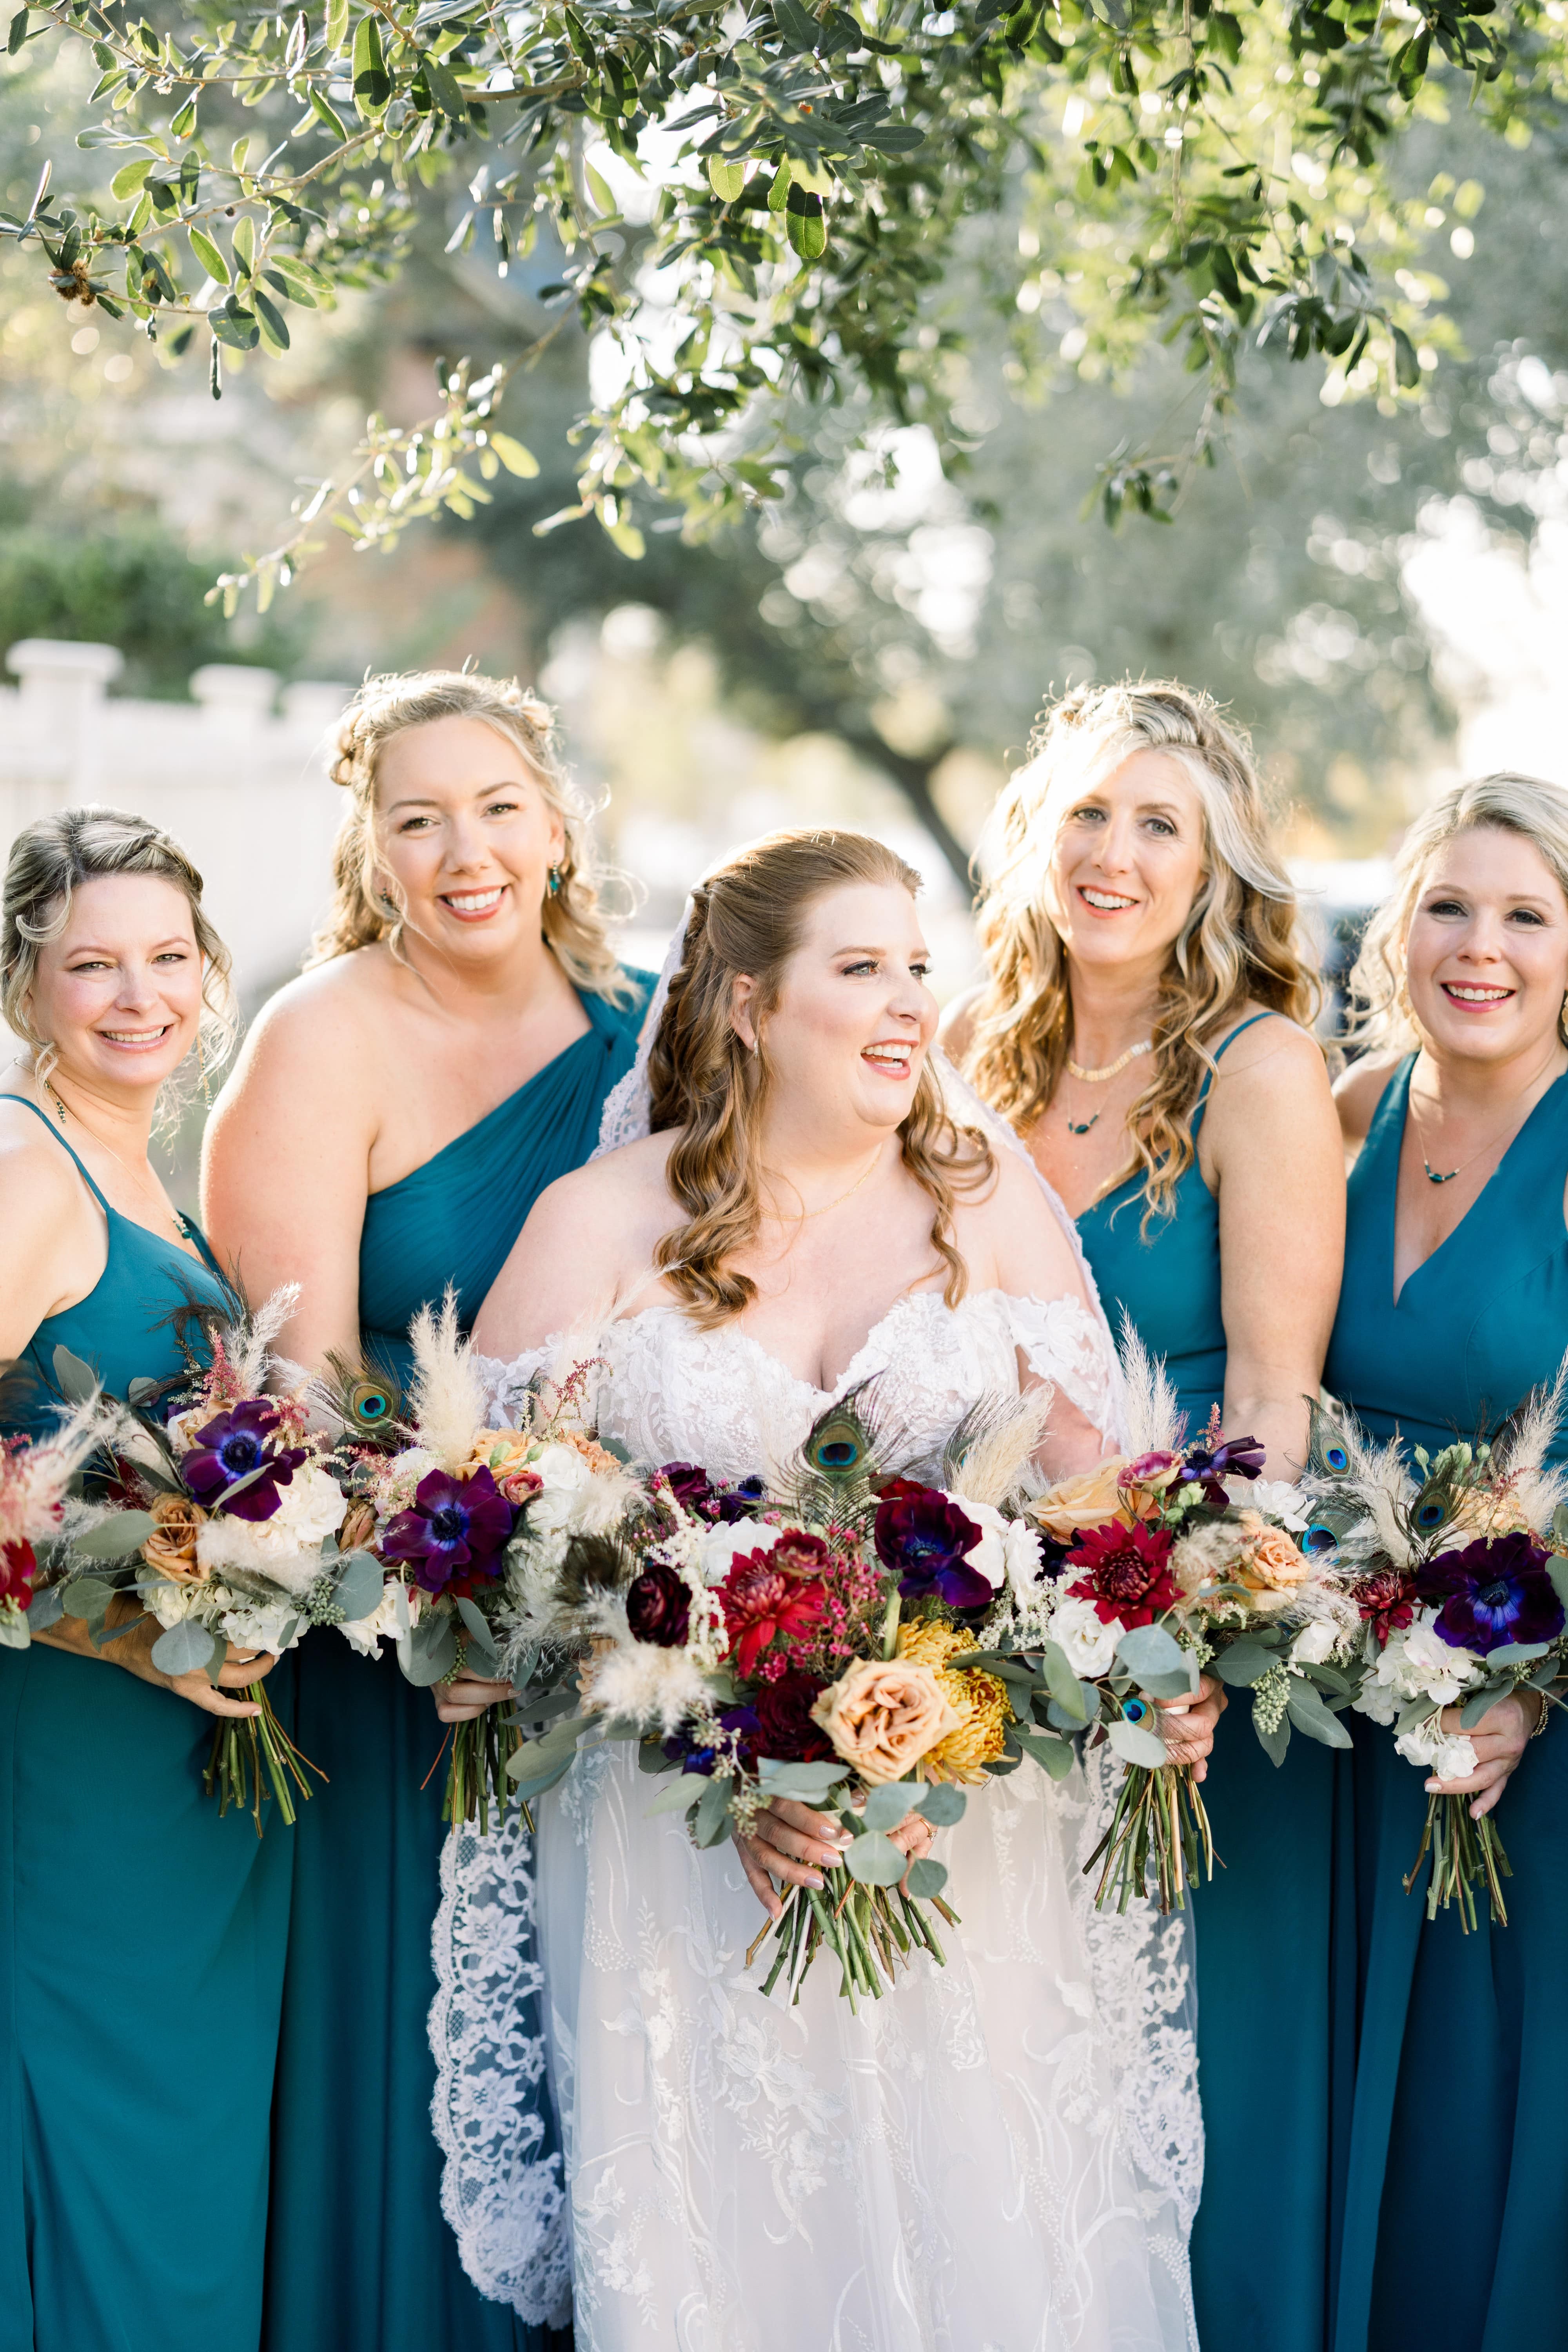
column 814, row 1880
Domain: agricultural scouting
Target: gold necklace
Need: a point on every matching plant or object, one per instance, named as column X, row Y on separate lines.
column 807, row 1214
column 1111, row 1069
column 61, row 1106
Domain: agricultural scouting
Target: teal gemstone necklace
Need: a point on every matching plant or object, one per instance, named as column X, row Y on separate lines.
column 1099, row 1079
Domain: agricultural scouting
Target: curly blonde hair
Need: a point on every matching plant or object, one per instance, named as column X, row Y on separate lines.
column 748, row 918
column 49, row 862
column 1240, row 941
column 363, row 911
column 1379, row 1020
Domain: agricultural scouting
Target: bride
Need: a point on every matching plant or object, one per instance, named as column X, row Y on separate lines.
column 951, row 2170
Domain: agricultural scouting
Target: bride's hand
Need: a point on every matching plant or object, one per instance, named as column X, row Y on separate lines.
column 460, row 1700
column 792, row 1842
column 1188, row 1724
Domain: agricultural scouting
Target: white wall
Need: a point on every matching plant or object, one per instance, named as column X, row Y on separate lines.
column 236, row 774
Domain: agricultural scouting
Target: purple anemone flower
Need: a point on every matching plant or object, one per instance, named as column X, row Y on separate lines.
column 922, row 1537
column 228, row 1449
column 743, row 1721
column 1208, row 1466
column 1494, row 1591
column 454, row 1533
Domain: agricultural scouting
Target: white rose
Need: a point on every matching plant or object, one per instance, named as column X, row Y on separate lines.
column 574, row 1499
column 720, row 1546
column 1315, row 1643
column 1089, row 1646
column 395, row 1614
column 287, row 1547
column 1276, row 1498
column 1007, row 1549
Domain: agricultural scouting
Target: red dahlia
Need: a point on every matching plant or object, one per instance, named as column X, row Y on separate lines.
column 762, row 1601
column 1126, row 1572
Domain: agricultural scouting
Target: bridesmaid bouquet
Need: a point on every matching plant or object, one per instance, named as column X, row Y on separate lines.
column 36, row 1475
column 222, row 1522
column 1458, row 1564
column 442, row 1513
column 845, row 1640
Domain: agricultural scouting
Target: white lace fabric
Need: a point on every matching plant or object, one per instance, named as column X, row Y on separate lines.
column 999, row 2155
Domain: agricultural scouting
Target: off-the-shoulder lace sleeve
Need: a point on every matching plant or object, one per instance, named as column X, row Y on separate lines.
column 1065, row 1342
column 507, row 1378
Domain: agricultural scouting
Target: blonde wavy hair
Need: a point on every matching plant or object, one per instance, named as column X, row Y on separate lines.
column 1379, row 1020
column 49, row 862
column 1240, row 941
column 748, row 918
column 366, row 908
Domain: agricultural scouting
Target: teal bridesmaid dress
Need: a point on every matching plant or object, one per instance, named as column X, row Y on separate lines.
column 359, row 2258
column 141, row 1944
column 1463, row 2047
column 1270, row 1928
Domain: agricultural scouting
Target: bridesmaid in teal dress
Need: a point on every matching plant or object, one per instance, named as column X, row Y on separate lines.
column 1145, row 1027
column 142, row 1936
column 395, row 1115
column 1455, row 1306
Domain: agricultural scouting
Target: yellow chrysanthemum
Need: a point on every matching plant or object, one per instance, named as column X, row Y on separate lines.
column 979, row 1698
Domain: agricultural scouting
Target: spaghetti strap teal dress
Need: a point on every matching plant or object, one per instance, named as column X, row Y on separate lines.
column 1270, row 1928
column 1463, row 2050
column 142, row 1943
column 359, row 2258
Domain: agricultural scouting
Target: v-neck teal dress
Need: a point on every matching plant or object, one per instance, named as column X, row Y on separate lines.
column 1463, row 2051
column 142, row 1943
column 359, row 2258
column 1271, row 1928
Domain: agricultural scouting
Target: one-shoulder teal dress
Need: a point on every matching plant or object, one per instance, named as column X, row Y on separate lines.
column 359, row 2258
column 1270, row 1928
column 1456, row 2205
column 142, row 1943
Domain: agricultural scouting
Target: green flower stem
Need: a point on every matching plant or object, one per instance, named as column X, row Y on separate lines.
column 1159, row 1818
column 480, row 1751
column 1466, row 1855
column 251, row 1755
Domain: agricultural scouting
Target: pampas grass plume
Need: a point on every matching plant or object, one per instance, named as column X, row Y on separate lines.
column 448, row 1392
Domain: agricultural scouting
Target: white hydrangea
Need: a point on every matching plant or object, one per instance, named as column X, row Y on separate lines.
column 1416, row 1663
column 275, row 1625
column 395, row 1614
column 1089, row 1646
column 171, row 1603
column 287, row 1547
column 1448, row 1755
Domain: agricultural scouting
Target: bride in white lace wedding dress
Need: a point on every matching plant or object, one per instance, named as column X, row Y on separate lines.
column 999, row 2155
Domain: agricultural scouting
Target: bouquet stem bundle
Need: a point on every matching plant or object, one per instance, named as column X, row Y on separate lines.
column 871, row 1931
column 1465, row 1855
column 476, row 1769
column 1159, row 1818
column 248, row 1751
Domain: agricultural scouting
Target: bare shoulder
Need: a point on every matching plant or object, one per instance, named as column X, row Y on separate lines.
column 1359, row 1091
column 588, row 1241
column 627, row 1185
column 38, row 1180
column 1268, row 1057
column 332, row 1006
column 1009, row 1231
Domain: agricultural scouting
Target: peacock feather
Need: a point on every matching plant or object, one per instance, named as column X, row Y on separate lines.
column 365, row 1396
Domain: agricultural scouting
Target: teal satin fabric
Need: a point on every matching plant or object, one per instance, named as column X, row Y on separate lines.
column 141, row 1942
column 359, row 2258
column 1463, row 2044
column 1275, row 1963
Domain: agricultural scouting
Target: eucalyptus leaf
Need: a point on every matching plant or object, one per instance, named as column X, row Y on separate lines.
column 1517, row 1653
column 1066, row 1690
column 113, row 1539
column 1557, row 1566
column 86, row 1596
column 875, row 1860
column 360, row 1584
column 886, row 1807
column 1306, row 1710
column 47, row 1609
column 1146, row 1650
column 142, row 1391
column 941, row 1804
column 677, row 1799
column 810, row 1782
column 652, row 1758
column 481, row 1641
column 77, row 1381
column 1136, row 1746
column 185, row 1648
column 1481, row 1702
column 1055, row 1755
column 712, row 1821
column 431, row 1651
column 1058, row 1719
column 927, row 1878
column 1273, row 1743
column 1243, row 1664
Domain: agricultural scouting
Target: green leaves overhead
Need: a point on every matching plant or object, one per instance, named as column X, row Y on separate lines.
column 1217, row 177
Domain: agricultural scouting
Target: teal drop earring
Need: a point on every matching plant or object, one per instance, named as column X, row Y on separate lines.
column 553, row 879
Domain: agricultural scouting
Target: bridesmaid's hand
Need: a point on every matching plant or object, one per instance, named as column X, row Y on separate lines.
column 1188, row 1724
column 792, row 1842
column 133, row 1651
column 1500, row 1740
column 467, row 1696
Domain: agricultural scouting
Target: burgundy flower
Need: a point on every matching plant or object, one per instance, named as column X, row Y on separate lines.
column 1493, row 1591
column 454, row 1534
column 1126, row 1571
column 1386, row 1603
column 18, row 1562
column 922, row 1537
column 764, row 1602
column 692, row 1488
column 783, row 1717
column 228, row 1449
column 1209, row 1465
column 659, row 1606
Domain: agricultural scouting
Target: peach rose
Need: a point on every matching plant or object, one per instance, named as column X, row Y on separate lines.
column 505, row 1454
column 171, row 1548
column 883, row 1715
column 1479, row 1512
column 1088, row 1500
column 358, row 1530
column 1271, row 1561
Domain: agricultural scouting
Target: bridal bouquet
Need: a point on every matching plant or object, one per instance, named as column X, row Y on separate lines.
column 831, row 1636
column 441, row 1502
column 1458, row 1564
column 222, row 1523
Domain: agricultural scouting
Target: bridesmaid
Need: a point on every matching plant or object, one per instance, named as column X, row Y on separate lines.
column 1455, row 1305
column 1145, row 1026
column 142, row 1938
column 393, row 1117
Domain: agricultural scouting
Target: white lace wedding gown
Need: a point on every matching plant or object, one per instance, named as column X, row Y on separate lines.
column 999, row 2155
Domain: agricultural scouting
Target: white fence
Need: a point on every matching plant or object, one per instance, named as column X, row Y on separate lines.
column 238, row 775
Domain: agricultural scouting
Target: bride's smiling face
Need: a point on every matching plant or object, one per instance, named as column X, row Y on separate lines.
column 848, row 1032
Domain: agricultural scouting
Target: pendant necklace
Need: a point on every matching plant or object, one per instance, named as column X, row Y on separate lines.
column 1099, row 1079
column 807, row 1214
column 1446, row 1175
column 177, row 1215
